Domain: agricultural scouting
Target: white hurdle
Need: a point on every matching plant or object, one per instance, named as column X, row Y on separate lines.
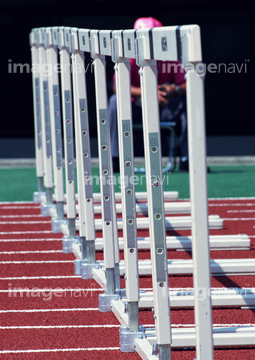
column 147, row 46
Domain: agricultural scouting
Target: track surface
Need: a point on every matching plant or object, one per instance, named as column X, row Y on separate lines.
column 49, row 313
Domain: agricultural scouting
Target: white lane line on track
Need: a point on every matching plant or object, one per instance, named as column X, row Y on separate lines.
column 24, row 240
column 25, row 232
column 21, row 216
column 58, row 327
column 240, row 211
column 37, row 262
column 234, row 204
column 238, row 219
column 31, row 252
column 25, row 222
column 37, row 290
column 58, row 350
column 40, row 277
column 47, row 310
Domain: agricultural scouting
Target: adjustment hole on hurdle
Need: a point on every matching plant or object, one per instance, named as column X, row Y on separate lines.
column 87, row 178
column 161, row 284
column 160, row 251
column 82, row 109
column 127, row 163
column 154, row 149
column 156, row 183
column 55, row 93
column 126, row 133
column 130, row 221
column 46, row 106
column 86, row 155
column 107, row 223
column 103, row 121
column 104, row 147
column 105, row 172
column 157, row 216
column 69, row 141
column 88, row 200
column 70, row 162
column 57, row 131
column 68, row 121
column 56, row 112
column 106, row 198
column 70, row 182
column 84, row 133
column 67, row 100
column 129, row 191
column 58, row 150
column 131, row 251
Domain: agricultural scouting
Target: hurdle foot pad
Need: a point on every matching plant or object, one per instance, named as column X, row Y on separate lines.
column 86, row 270
column 105, row 301
column 127, row 338
column 68, row 242
column 46, row 209
column 37, row 197
column 56, row 225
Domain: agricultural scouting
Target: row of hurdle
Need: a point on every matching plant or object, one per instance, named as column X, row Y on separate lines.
column 60, row 103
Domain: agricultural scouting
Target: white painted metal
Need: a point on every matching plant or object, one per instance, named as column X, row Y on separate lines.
column 110, row 233
column 126, row 156
column 153, row 166
column 66, row 91
column 55, row 115
column 44, row 100
column 36, row 106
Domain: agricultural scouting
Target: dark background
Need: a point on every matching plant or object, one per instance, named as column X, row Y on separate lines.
column 226, row 30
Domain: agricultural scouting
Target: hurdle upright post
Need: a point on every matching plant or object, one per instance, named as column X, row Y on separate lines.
column 192, row 61
column 46, row 126
column 154, row 182
column 37, row 114
column 56, row 131
column 83, row 153
column 110, row 231
column 125, row 136
column 67, row 111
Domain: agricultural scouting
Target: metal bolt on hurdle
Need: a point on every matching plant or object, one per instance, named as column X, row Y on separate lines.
column 56, row 132
column 110, row 231
column 37, row 116
column 66, row 93
column 46, row 126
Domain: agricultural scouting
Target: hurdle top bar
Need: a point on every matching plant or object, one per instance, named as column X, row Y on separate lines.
column 160, row 43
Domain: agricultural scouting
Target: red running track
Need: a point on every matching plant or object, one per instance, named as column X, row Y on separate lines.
column 49, row 313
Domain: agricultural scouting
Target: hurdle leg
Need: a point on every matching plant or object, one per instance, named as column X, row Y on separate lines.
column 84, row 173
column 56, row 133
column 111, row 251
column 122, row 73
column 66, row 94
column 153, row 165
column 199, row 212
column 46, row 130
column 37, row 118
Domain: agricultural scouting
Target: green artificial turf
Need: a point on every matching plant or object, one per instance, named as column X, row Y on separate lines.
column 18, row 184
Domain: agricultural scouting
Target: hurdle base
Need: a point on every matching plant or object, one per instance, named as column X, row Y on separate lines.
column 127, row 338
column 68, row 242
column 37, row 196
column 56, row 225
column 46, row 209
column 86, row 269
column 105, row 301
